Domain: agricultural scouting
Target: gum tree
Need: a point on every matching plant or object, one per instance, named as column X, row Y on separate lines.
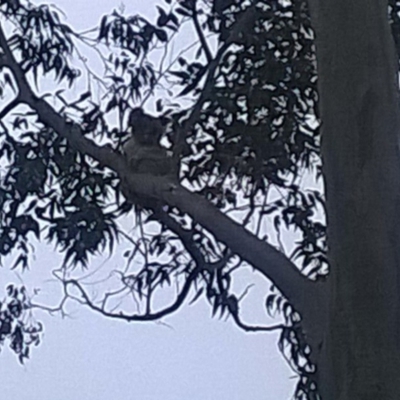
column 244, row 126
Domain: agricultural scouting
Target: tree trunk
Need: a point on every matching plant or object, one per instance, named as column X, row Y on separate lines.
column 357, row 68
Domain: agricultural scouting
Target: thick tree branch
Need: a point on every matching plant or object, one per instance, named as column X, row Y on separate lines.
column 262, row 256
column 184, row 235
column 2, row 60
column 194, row 251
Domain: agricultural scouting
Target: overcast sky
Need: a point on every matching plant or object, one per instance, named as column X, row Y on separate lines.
column 92, row 358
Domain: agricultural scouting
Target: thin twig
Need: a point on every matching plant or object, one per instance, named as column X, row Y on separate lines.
column 200, row 34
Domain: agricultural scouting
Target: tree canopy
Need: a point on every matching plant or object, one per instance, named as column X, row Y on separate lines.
column 242, row 109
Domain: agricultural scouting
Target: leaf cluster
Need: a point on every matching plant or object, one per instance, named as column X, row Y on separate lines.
column 17, row 326
column 41, row 40
column 256, row 121
column 51, row 187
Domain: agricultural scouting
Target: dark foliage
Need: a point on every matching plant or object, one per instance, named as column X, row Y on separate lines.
column 17, row 326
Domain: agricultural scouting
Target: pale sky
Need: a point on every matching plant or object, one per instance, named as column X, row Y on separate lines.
column 195, row 357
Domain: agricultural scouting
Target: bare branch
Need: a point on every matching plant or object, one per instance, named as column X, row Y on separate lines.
column 7, row 55
column 255, row 328
column 200, row 34
column 134, row 317
column 9, row 107
column 236, row 30
column 186, row 238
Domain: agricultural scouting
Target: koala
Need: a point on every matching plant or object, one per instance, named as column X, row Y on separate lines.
column 143, row 150
column 145, row 155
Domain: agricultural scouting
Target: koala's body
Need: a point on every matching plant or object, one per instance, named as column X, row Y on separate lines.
column 143, row 150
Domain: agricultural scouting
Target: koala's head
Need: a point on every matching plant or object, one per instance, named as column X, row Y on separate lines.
column 146, row 130
column 135, row 116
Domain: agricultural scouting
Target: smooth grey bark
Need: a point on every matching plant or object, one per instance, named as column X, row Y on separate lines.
column 357, row 69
